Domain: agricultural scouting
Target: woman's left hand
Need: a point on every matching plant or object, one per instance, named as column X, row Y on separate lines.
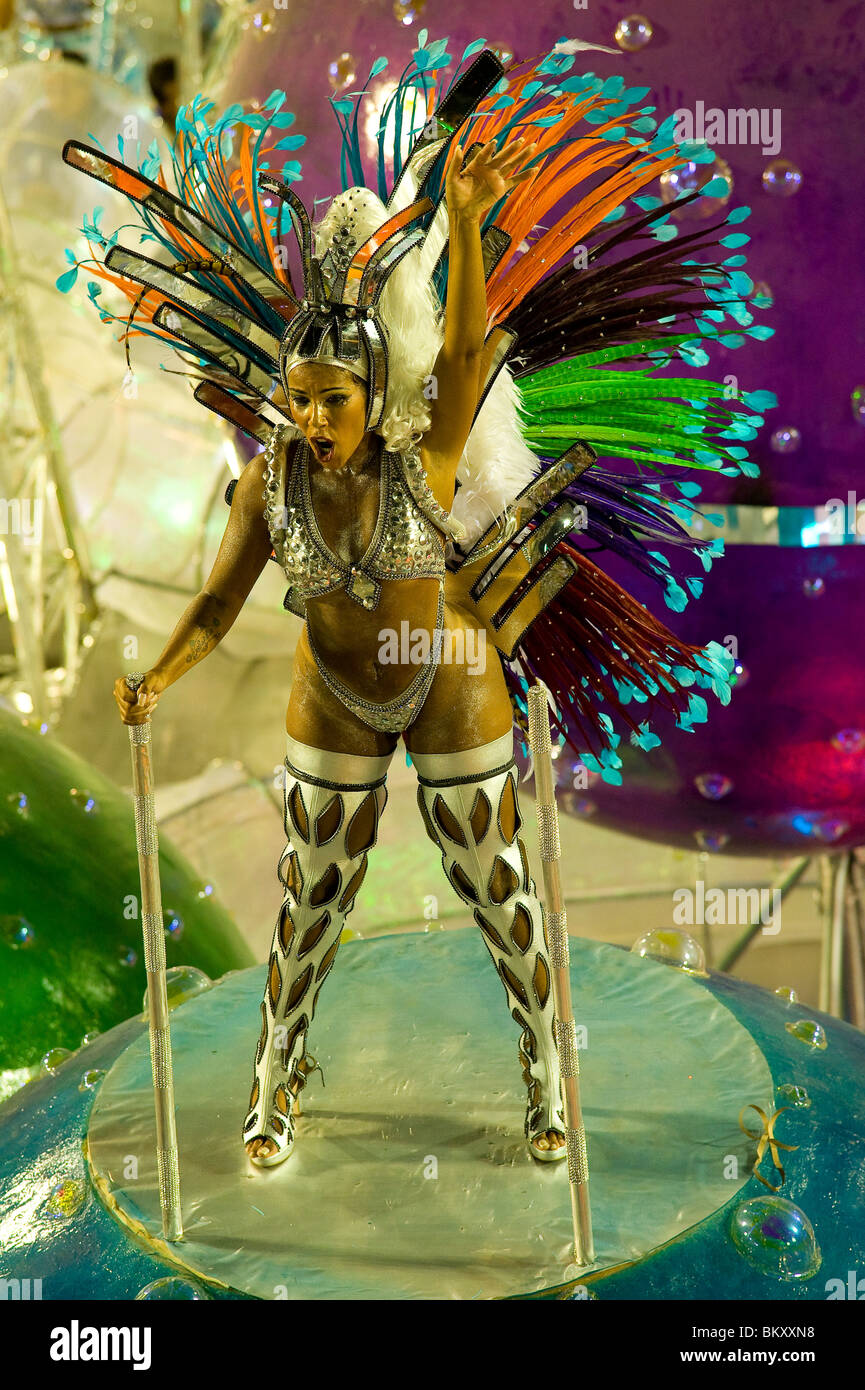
column 487, row 177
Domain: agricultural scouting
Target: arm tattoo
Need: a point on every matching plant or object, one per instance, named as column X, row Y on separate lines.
column 206, row 635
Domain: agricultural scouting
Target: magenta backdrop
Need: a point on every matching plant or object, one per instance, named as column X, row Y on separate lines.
column 794, row 786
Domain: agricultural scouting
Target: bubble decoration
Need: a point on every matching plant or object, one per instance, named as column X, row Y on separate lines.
column 673, row 947
column 784, row 992
column 259, row 23
column 714, row 786
column 776, row 1237
column 711, row 840
column 182, row 982
column 785, row 440
column 849, row 740
column 795, row 1096
column 782, row 178
column 16, row 932
column 53, row 1060
column 66, row 1199
column 762, row 295
column 857, row 404
column 18, row 802
column 814, row 588
column 407, row 11
column 127, row 957
column 173, row 924
column 687, row 177
column 810, row 1033
column 742, row 674
column 173, row 1289
column 83, row 799
column 91, row 1079
column 633, row 32
column 342, row 72
column 827, row 829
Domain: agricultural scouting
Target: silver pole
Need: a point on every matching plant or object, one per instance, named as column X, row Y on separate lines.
column 557, row 937
column 154, row 960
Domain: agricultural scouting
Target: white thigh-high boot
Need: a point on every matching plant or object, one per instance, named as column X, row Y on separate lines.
column 333, row 802
column 471, row 812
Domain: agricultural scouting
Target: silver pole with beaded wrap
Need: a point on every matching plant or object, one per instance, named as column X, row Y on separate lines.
column 557, row 941
column 154, row 961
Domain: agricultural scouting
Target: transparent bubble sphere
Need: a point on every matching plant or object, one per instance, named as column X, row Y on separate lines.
column 407, row 11
column 776, row 1237
column 66, row 1199
column 785, row 440
column 633, row 32
column 55, row 1059
column 672, row 947
column 782, row 178
column 342, row 71
column 849, row 740
column 713, row 785
column 174, row 925
column 182, row 982
column 687, row 177
column 16, row 932
column 173, row 1289
column 807, row 1031
column 90, row 1080
column 795, row 1096
column 83, row 799
column 712, row 840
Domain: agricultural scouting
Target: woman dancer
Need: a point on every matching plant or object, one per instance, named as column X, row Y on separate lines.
column 381, row 416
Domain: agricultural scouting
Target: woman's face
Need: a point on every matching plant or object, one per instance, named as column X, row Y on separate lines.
column 329, row 405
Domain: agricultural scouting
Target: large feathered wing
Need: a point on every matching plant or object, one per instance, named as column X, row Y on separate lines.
column 590, row 302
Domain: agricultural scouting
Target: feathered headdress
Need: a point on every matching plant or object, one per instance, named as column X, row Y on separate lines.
column 227, row 296
column 339, row 319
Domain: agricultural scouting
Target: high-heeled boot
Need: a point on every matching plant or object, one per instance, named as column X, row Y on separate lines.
column 470, row 808
column 333, row 802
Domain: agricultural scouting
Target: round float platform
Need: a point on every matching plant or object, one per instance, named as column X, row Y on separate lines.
column 410, row 1177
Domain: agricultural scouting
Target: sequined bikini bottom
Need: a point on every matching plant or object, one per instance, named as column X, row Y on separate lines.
column 389, row 716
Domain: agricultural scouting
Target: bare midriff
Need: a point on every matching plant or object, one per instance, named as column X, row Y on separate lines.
column 351, row 640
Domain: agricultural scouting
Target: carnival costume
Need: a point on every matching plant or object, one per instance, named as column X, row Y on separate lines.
column 531, row 496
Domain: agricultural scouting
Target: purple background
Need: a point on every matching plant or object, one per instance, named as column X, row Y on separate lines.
column 804, row 57
column 794, row 789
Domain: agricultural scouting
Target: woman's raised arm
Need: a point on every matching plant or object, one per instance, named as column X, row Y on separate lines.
column 470, row 192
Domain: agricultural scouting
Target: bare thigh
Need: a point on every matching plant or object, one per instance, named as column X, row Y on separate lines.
column 468, row 702
column 315, row 716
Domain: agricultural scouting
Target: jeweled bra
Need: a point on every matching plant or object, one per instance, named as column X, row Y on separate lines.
column 405, row 543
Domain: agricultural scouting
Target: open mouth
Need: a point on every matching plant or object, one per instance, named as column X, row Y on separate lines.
column 324, row 447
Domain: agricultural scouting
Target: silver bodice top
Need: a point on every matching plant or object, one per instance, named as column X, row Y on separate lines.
column 406, row 544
